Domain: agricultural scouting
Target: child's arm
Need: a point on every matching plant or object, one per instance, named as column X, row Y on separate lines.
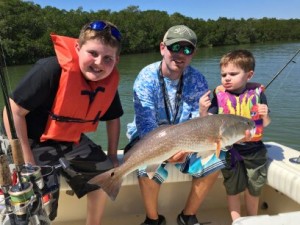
column 263, row 111
column 204, row 104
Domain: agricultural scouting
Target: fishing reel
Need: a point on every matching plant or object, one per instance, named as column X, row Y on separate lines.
column 34, row 174
column 21, row 198
column 27, row 203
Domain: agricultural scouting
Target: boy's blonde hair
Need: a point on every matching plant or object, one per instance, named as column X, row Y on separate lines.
column 241, row 58
column 105, row 35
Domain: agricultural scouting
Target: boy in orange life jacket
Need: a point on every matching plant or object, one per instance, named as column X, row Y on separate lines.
column 246, row 162
column 63, row 97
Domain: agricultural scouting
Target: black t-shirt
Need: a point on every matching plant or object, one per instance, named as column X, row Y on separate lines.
column 36, row 93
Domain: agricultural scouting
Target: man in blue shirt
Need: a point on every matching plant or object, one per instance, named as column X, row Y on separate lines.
column 168, row 92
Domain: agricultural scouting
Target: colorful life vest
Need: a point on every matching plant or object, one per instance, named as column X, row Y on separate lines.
column 242, row 105
column 78, row 104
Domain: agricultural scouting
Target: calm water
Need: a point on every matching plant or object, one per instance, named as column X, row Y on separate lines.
column 283, row 94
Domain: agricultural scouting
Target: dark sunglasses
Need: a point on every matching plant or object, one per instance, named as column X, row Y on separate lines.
column 176, row 47
column 101, row 25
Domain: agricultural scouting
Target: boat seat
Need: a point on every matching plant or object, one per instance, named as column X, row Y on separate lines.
column 289, row 218
column 283, row 175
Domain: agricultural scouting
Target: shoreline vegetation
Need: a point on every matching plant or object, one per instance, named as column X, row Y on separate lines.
column 25, row 29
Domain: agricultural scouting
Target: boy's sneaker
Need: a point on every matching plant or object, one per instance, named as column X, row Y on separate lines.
column 187, row 220
column 160, row 221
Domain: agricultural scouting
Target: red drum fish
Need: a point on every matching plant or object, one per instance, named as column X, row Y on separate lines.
column 204, row 135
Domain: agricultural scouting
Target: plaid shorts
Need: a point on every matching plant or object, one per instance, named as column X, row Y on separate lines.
column 193, row 165
column 82, row 161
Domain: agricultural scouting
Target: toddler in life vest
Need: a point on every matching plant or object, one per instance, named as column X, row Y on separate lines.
column 246, row 161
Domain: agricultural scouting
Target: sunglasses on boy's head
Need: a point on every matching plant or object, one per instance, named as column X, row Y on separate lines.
column 176, row 47
column 101, row 25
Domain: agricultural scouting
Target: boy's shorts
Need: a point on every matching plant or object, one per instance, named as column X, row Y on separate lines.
column 250, row 173
column 192, row 165
column 85, row 160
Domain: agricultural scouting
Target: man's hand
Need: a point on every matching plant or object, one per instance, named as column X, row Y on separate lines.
column 179, row 157
column 247, row 137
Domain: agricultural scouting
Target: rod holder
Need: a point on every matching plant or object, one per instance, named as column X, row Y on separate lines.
column 295, row 160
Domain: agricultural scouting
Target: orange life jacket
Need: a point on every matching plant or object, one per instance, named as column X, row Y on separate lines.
column 243, row 105
column 78, row 104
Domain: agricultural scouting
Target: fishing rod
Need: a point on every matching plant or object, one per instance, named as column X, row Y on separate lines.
column 6, row 99
column 12, row 193
column 28, row 200
column 15, row 143
column 279, row 72
column 20, row 200
column 294, row 159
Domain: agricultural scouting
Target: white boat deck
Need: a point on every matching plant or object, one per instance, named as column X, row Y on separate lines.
column 279, row 199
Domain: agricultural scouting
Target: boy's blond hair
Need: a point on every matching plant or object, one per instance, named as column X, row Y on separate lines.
column 104, row 36
column 241, row 58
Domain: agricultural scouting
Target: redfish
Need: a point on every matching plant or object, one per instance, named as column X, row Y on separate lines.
column 205, row 135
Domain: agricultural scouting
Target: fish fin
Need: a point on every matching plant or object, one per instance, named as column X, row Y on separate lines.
column 151, row 169
column 109, row 182
column 218, row 149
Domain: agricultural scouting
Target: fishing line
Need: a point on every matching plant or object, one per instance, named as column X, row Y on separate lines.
column 280, row 90
column 279, row 72
column 21, row 207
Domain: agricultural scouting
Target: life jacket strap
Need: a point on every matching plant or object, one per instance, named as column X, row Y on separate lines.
column 73, row 120
column 92, row 94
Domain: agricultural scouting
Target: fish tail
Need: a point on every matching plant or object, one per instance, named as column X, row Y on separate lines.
column 109, row 181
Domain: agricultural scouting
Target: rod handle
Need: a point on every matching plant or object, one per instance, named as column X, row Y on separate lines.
column 17, row 152
column 5, row 175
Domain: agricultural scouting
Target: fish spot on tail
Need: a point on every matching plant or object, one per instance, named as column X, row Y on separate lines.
column 112, row 174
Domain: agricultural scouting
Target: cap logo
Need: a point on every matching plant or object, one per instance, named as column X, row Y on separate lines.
column 182, row 30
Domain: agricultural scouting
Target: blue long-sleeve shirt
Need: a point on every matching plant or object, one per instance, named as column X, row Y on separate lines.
column 149, row 105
